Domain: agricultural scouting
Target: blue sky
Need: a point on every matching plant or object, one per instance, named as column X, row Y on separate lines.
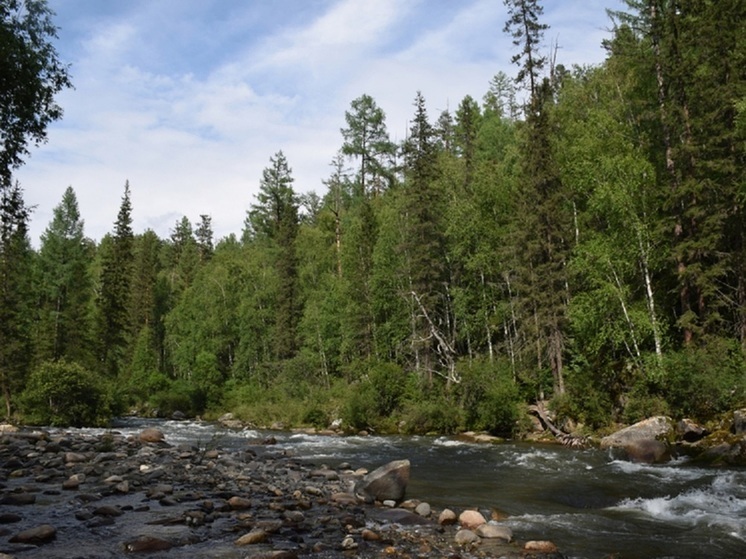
column 188, row 99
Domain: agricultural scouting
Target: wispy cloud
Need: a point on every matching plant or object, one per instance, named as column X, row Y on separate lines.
column 188, row 99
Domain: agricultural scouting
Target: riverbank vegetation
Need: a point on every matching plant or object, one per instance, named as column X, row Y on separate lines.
column 576, row 235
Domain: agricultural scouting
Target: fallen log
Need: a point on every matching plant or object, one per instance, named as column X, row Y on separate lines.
column 567, row 439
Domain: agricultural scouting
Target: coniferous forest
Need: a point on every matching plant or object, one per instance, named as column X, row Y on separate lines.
column 570, row 235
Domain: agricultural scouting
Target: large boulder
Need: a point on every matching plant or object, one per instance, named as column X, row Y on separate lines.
column 658, row 428
column 645, row 441
column 389, row 482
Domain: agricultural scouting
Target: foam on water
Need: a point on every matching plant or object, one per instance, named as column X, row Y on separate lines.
column 721, row 504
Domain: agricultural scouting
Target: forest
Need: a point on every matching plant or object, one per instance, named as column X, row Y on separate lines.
column 573, row 235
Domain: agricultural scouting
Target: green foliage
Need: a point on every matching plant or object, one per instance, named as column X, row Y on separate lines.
column 489, row 397
column 432, row 412
column 65, row 394
column 702, row 382
column 377, row 396
column 32, row 76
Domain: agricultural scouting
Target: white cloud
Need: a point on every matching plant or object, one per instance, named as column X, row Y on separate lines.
column 190, row 117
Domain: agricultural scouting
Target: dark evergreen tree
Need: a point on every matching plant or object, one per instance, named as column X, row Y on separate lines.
column 366, row 138
column 204, row 237
column 274, row 220
column 527, row 32
column 423, row 247
column 65, row 287
column 15, row 294
column 114, row 316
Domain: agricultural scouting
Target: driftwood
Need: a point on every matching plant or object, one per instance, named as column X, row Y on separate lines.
column 567, row 439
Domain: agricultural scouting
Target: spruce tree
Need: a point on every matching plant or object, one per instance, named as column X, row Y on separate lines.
column 274, row 222
column 15, row 294
column 114, row 318
column 65, row 287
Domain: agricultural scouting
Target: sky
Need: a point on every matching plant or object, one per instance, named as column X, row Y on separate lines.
column 187, row 100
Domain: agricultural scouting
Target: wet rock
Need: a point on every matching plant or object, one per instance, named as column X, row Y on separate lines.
column 37, row 535
column 495, row 531
column 73, row 482
column 447, row 517
column 471, row 519
column 239, row 503
column 423, row 509
column 253, row 537
column 18, row 499
column 466, row 537
column 689, row 431
column 387, row 482
column 152, row 435
column 9, row 518
column 147, row 544
column 647, row 451
column 540, row 546
column 108, row 510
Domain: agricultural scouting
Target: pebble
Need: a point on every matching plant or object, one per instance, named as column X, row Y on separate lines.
column 154, row 497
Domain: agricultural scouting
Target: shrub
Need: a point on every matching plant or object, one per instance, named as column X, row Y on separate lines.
column 703, row 382
column 489, row 397
column 65, row 394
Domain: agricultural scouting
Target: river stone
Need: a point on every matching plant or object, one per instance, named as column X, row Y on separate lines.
column 447, row 517
column 466, row 537
column 239, row 503
column 495, row 531
column 151, row 435
column 739, row 422
column 423, row 509
column 689, row 431
column 389, row 482
column 652, row 428
column 18, row 499
column 647, row 451
column 37, row 535
column 255, row 536
column 540, row 546
column 73, row 482
column 146, row 544
column 471, row 519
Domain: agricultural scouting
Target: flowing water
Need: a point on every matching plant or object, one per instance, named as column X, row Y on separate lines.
column 591, row 505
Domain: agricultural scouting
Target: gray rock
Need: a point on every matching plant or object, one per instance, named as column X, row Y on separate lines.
column 654, row 428
column 389, row 482
column 466, row 537
column 36, row 535
column 495, row 531
column 648, row 451
column 739, row 422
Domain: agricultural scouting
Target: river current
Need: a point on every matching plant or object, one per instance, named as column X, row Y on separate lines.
column 590, row 504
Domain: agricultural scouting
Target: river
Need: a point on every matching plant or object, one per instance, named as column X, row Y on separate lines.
column 591, row 505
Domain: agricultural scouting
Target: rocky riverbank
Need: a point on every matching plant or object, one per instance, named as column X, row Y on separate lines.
column 107, row 496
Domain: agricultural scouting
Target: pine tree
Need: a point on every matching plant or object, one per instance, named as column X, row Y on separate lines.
column 15, row 294
column 114, row 323
column 541, row 227
column 366, row 138
column 65, row 287
column 423, row 248
column 274, row 220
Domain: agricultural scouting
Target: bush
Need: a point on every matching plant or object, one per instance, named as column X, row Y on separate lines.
column 376, row 397
column 434, row 413
column 705, row 381
column 65, row 394
column 489, row 397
